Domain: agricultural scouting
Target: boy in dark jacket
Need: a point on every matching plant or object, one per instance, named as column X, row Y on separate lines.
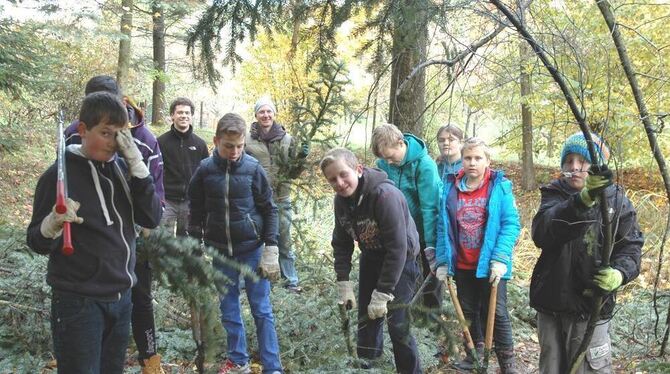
column 142, row 321
column 182, row 152
column 91, row 301
column 232, row 210
column 568, row 272
column 369, row 209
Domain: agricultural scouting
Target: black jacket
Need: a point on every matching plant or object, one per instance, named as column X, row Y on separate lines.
column 182, row 153
column 561, row 228
column 231, row 201
column 104, row 244
column 378, row 218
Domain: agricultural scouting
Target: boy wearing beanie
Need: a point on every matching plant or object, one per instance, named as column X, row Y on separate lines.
column 567, row 277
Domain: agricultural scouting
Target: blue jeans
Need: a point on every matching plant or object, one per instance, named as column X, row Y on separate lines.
column 370, row 339
column 473, row 294
column 90, row 336
column 258, row 294
column 286, row 254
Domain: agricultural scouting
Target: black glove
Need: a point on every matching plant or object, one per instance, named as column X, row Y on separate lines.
column 194, row 232
column 599, row 178
column 304, row 150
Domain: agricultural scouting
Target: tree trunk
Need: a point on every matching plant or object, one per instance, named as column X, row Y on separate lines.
column 410, row 38
column 124, row 44
column 527, row 168
column 158, row 98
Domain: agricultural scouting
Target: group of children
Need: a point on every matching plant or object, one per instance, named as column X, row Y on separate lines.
column 410, row 206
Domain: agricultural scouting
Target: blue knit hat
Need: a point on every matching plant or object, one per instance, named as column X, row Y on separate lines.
column 576, row 143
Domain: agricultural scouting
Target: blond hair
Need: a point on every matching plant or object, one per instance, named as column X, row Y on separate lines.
column 475, row 142
column 385, row 136
column 347, row 156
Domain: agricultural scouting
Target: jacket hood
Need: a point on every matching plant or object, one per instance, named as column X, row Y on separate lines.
column 276, row 132
column 373, row 178
column 416, row 148
column 135, row 115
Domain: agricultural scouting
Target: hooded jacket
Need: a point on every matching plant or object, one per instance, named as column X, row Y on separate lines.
column 378, row 219
column 565, row 269
column 145, row 141
column 501, row 230
column 444, row 168
column 231, row 204
column 417, row 178
column 279, row 156
column 182, row 153
column 102, row 264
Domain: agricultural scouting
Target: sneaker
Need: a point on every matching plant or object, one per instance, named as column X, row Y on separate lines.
column 229, row 367
column 293, row 289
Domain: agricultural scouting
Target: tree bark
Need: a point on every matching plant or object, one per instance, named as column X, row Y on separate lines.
column 527, row 170
column 410, row 39
column 124, row 44
column 158, row 94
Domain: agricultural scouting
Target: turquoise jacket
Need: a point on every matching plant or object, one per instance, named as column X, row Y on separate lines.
column 501, row 232
column 417, row 178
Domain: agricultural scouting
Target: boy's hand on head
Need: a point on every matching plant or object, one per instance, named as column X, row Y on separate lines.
column 345, row 290
column 608, row 279
column 130, row 153
column 498, row 270
column 52, row 225
column 377, row 307
column 269, row 265
column 599, row 178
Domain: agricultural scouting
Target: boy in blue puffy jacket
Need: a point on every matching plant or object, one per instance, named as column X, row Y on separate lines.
column 476, row 233
column 232, row 209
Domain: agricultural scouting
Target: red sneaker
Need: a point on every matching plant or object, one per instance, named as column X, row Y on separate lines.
column 229, row 367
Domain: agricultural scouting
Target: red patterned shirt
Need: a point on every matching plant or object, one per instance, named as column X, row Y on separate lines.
column 471, row 220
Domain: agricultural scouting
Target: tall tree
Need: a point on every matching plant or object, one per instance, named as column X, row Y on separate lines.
column 158, row 94
column 525, row 83
column 410, row 39
column 124, row 44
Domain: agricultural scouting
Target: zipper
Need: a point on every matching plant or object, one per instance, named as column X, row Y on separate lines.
column 253, row 225
column 227, row 209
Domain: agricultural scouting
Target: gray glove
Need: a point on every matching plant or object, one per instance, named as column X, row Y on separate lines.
column 52, row 225
column 346, row 294
column 442, row 273
column 498, row 270
column 130, row 153
column 429, row 252
column 377, row 307
column 269, row 265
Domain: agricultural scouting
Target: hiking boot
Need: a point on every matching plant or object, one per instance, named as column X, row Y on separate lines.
column 506, row 361
column 293, row 289
column 468, row 363
column 152, row 365
column 229, row 367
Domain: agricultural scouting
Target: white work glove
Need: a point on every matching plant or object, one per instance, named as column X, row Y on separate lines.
column 130, row 153
column 345, row 290
column 498, row 270
column 269, row 265
column 52, row 225
column 377, row 307
column 442, row 273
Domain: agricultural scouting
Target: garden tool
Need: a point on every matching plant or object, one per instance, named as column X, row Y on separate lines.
column 490, row 323
column 61, row 188
column 469, row 344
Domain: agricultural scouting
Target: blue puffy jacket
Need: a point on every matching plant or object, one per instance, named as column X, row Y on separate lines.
column 231, row 201
column 501, row 232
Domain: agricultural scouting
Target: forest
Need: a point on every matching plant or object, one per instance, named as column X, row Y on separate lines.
column 524, row 75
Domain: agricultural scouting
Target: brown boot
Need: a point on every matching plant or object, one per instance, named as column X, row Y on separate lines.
column 152, row 365
column 506, row 361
